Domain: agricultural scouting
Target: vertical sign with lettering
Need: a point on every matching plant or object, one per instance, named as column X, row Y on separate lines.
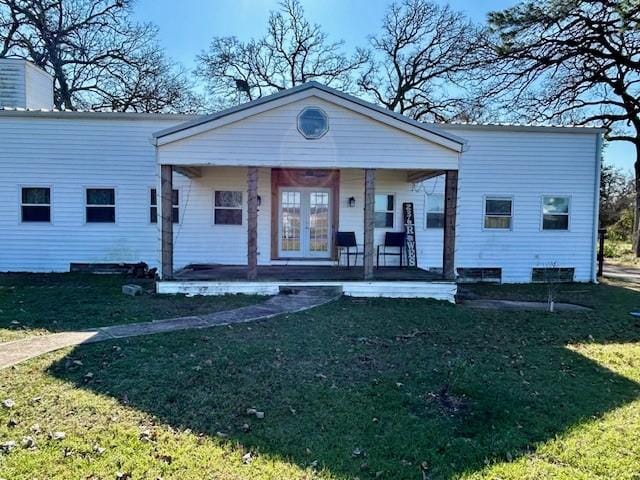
column 410, row 229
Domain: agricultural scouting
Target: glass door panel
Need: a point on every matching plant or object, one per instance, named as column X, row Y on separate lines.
column 319, row 224
column 290, row 223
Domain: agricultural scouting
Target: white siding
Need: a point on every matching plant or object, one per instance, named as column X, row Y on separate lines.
column 12, row 83
column 526, row 165
column 271, row 139
column 39, row 88
column 69, row 155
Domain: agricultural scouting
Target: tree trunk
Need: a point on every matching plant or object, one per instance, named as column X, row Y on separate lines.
column 636, row 216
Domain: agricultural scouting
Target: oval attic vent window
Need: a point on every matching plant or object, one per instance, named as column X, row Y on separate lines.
column 313, row 122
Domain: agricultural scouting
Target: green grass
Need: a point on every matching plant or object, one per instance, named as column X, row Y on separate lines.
column 418, row 389
column 33, row 304
column 620, row 251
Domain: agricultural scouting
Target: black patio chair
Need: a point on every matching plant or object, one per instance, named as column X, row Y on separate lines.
column 392, row 240
column 346, row 244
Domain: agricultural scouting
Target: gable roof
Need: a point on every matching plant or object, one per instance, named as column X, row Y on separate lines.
column 230, row 115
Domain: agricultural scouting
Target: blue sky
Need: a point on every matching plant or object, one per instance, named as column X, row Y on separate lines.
column 187, row 26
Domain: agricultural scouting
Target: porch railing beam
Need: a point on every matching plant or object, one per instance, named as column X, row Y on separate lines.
column 369, row 203
column 252, row 223
column 166, row 215
column 450, row 207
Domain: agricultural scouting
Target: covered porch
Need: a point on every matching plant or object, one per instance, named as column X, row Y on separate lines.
column 299, row 167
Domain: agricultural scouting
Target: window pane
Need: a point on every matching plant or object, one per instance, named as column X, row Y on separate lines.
column 497, row 222
column 175, row 215
column 101, row 214
column 36, row 196
column 435, row 203
column 154, row 197
column 153, row 214
column 313, row 123
column 555, row 205
column 226, row 216
column 383, row 220
column 175, row 198
column 435, row 220
column 36, row 214
column 555, row 222
column 498, row 206
column 101, row 196
column 383, row 203
column 228, row 199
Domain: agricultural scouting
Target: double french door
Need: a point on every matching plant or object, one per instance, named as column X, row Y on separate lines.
column 304, row 223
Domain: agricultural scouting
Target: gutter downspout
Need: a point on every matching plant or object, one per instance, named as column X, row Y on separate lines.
column 596, row 209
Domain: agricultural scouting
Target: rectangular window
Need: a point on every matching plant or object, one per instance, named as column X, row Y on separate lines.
column 153, row 208
column 384, row 210
column 498, row 213
column 435, row 211
column 101, row 205
column 36, row 204
column 555, row 213
column 227, row 208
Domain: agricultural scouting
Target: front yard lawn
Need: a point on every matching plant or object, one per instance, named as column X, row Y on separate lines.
column 33, row 304
column 367, row 389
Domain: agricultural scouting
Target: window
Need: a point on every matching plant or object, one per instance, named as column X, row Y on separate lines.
column 313, row 123
column 435, row 211
column 498, row 212
column 101, row 205
column 555, row 213
column 227, row 208
column 153, row 209
column 36, row 204
column 384, row 211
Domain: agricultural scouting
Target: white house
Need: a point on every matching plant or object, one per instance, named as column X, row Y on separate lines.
column 261, row 190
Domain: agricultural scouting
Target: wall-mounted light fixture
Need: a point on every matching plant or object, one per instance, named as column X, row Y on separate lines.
column 352, row 202
column 259, row 200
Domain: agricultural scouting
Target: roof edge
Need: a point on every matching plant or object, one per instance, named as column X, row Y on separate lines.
column 71, row 114
column 578, row 129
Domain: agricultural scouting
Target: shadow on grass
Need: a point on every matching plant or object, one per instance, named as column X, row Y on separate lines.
column 405, row 382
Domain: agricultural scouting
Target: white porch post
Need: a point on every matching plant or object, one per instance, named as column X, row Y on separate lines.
column 252, row 223
column 369, row 205
column 166, row 214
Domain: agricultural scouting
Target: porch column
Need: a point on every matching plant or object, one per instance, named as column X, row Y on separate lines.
column 166, row 215
column 450, row 204
column 369, row 203
column 252, row 223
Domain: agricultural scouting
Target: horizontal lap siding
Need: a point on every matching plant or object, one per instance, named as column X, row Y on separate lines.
column 69, row 155
column 526, row 166
column 272, row 139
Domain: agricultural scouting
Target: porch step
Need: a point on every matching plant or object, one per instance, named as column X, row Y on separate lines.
column 310, row 291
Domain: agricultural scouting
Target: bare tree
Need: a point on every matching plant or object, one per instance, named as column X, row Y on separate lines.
column 574, row 61
column 292, row 52
column 98, row 56
column 422, row 60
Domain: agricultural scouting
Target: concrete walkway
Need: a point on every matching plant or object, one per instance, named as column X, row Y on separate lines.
column 12, row 353
column 626, row 273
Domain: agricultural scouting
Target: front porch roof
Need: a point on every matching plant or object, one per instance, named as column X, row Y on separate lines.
column 209, row 122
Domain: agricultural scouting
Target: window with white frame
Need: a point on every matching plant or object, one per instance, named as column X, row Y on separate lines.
column 36, row 204
column 555, row 213
column 498, row 213
column 100, row 205
column 227, row 207
column 384, row 210
column 153, row 206
column 435, row 210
